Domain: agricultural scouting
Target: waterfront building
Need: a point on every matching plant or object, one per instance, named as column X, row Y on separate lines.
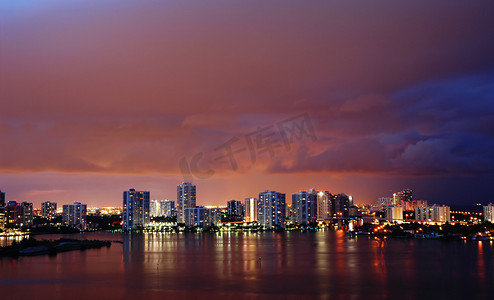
column 341, row 206
column 48, row 209
column 18, row 214
column 489, row 213
column 271, row 208
column 324, row 205
column 75, row 215
column 2, row 200
column 167, row 208
column 195, row 217
column 250, row 209
column 135, row 209
column 394, row 212
column 235, row 210
column 434, row 213
column 186, row 197
column 304, row 207
column 213, row 215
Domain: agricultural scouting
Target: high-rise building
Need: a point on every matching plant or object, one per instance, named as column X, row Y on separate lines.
column 2, row 200
column 195, row 217
column 271, row 209
column 234, row 210
column 250, row 209
column 75, row 215
column 489, row 213
column 48, row 209
column 167, row 208
column 434, row 213
column 2, row 210
column 27, row 214
column 304, row 207
column 394, row 212
column 135, row 209
column 324, row 205
column 341, row 206
column 401, row 197
column 18, row 214
column 186, row 197
column 213, row 215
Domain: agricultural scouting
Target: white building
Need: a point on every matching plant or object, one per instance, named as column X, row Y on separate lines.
column 75, row 215
column 434, row 213
column 135, row 209
column 394, row 212
column 324, row 205
column 271, row 209
column 162, row 208
column 489, row 213
column 186, row 197
column 250, row 207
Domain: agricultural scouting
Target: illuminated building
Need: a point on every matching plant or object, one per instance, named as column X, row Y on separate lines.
column 135, row 209
column 186, row 197
column 235, row 210
column 489, row 213
column 341, row 206
column 2, row 200
column 324, row 205
column 48, row 209
column 271, row 208
column 401, row 197
column 394, row 212
column 250, row 209
column 304, row 207
column 18, row 214
column 213, row 215
column 434, row 213
column 75, row 215
column 2, row 210
column 195, row 217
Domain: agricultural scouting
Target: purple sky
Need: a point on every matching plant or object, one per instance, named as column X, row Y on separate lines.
column 101, row 96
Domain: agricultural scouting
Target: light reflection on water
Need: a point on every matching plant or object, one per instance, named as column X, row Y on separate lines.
column 256, row 265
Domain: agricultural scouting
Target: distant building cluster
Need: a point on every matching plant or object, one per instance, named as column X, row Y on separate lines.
column 270, row 209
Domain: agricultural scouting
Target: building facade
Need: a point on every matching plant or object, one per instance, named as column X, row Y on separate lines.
column 271, row 209
column 49, row 210
column 235, row 210
column 186, row 198
column 489, row 213
column 434, row 213
column 135, row 209
column 250, row 210
column 304, row 207
column 75, row 215
column 195, row 217
column 394, row 212
column 324, row 205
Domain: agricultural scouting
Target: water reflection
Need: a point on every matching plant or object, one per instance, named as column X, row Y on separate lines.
column 257, row 265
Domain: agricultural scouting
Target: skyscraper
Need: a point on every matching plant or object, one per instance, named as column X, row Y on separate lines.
column 341, row 206
column 48, row 209
column 401, row 197
column 75, row 215
column 250, row 209
column 186, row 197
column 135, row 209
column 271, row 209
column 235, row 211
column 304, row 207
column 324, row 205
column 2, row 200
column 489, row 213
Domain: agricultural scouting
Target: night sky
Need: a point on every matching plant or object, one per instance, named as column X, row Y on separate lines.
column 101, row 96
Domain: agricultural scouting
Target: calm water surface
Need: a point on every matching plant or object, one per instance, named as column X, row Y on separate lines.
column 292, row 265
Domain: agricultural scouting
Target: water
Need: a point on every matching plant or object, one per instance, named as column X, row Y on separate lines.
column 291, row 265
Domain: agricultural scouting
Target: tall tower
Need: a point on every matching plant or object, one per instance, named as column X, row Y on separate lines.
column 135, row 209
column 186, row 197
column 304, row 207
column 271, row 209
column 250, row 209
column 324, row 205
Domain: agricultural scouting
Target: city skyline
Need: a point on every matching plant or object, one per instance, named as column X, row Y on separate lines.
column 389, row 96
